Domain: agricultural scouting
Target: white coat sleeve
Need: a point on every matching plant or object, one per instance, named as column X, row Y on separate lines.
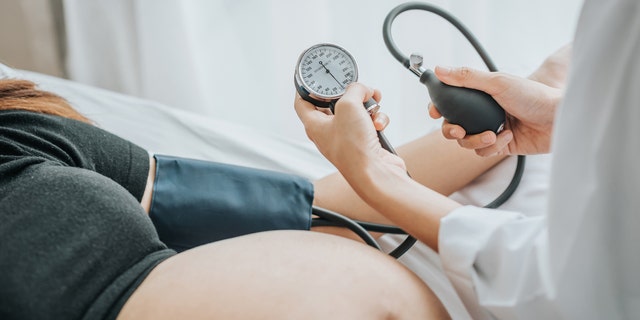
column 496, row 261
column 580, row 260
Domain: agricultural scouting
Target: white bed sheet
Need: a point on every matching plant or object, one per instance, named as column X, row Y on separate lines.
column 162, row 129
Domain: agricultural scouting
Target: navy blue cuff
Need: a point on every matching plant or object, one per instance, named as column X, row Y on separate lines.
column 196, row 202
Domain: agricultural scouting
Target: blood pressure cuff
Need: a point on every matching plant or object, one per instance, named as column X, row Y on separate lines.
column 196, row 202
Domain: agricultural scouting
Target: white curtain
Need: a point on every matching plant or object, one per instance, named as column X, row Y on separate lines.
column 234, row 59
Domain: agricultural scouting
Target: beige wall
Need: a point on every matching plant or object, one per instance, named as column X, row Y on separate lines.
column 28, row 30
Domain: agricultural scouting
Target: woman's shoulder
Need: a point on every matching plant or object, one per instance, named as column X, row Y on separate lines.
column 29, row 133
column 28, row 138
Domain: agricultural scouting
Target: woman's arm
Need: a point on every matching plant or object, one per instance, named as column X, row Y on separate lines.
column 148, row 191
column 432, row 161
column 554, row 69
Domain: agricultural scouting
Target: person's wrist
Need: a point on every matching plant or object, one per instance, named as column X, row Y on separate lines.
column 373, row 178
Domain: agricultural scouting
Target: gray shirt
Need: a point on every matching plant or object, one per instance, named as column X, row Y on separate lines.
column 74, row 240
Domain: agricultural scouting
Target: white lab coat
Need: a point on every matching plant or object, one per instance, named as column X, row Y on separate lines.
column 582, row 259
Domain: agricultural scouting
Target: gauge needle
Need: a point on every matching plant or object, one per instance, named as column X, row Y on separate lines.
column 331, row 74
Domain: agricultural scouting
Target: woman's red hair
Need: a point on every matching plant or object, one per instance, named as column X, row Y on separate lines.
column 16, row 94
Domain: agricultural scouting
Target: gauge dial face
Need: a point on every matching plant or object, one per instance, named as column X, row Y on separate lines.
column 325, row 70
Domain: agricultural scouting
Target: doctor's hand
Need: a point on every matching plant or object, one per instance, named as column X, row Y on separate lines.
column 530, row 108
column 348, row 138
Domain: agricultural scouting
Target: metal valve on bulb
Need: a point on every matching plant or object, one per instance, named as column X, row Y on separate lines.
column 474, row 110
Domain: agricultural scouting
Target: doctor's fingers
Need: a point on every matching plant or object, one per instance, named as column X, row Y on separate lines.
column 449, row 130
column 356, row 89
column 500, row 146
column 433, row 111
column 311, row 117
column 478, row 141
column 452, row 131
column 307, row 111
column 354, row 97
column 492, row 83
column 380, row 120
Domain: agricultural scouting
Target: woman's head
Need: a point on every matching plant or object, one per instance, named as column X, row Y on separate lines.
column 16, row 94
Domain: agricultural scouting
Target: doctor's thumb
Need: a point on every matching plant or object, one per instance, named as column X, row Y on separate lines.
column 463, row 77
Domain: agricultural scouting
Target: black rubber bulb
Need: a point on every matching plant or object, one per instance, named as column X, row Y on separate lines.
column 474, row 110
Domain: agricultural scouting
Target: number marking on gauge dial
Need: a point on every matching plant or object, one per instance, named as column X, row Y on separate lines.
column 325, row 70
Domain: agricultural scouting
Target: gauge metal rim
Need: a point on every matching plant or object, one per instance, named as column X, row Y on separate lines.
column 313, row 94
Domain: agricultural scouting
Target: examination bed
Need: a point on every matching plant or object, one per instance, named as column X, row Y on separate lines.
column 163, row 129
